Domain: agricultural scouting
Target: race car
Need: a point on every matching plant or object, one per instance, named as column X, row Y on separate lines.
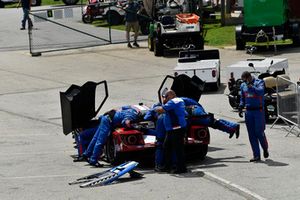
column 79, row 112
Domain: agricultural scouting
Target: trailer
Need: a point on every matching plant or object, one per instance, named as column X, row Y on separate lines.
column 269, row 22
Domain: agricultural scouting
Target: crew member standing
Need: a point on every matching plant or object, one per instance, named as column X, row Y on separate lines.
column 26, row 4
column 175, row 125
column 252, row 98
column 132, row 22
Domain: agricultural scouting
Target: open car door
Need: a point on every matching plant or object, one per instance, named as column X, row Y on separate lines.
column 183, row 86
column 78, row 104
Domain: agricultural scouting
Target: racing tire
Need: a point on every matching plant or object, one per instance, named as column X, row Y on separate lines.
column 158, row 47
column 70, row 2
column 113, row 18
column 111, row 153
column 36, row 3
column 87, row 19
column 150, row 43
column 203, row 151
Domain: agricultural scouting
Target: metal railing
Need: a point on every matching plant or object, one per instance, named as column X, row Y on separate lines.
column 288, row 104
column 61, row 28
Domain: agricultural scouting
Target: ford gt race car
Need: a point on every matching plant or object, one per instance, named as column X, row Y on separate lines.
column 78, row 106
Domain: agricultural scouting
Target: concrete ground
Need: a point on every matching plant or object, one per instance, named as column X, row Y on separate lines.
column 35, row 156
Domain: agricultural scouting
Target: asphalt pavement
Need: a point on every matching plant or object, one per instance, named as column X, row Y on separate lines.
column 35, row 156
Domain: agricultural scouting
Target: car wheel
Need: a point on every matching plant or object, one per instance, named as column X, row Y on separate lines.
column 36, row 2
column 150, row 43
column 70, row 2
column 113, row 18
column 158, row 47
column 87, row 19
column 110, row 152
column 203, row 151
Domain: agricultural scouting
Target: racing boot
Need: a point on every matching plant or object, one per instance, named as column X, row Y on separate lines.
column 97, row 164
column 255, row 159
column 237, row 131
column 266, row 154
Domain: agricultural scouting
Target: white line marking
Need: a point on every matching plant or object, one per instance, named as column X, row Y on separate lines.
column 232, row 186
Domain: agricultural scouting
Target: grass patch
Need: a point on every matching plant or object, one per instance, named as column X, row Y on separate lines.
column 220, row 36
column 103, row 23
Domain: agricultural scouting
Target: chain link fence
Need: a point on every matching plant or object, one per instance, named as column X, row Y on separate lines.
column 62, row 28
column 288, row 104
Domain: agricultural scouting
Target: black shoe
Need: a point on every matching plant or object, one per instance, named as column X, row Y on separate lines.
column 129, row 45
column 82, row 158
column 97, row 164
column 237, row 131
column 266, row 154
column 22, row 28
column 136, row 44
column 179, row 171
column 256, row 159
column 231, row 135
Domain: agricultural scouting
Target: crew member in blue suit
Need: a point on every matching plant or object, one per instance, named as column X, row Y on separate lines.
column 109, row 120
column 175, row 125
column 199, row 116
column 159, row 132
column 252, row 98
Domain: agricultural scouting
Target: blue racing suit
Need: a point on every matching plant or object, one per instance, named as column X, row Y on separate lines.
column 199, row 116
column 107, row 123
column 252, row 98
column 175, row 125
column 160, row 133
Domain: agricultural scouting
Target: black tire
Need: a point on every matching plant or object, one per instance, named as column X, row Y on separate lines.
column 240, row 44
column 70, row 2
column 37, row 3
column 158, row 47
column 144, row 27
column 150, row 43
column 199, row 43
column 2, row 5
column 111, row 153
column 87, row 19
column 113, row 18
column 239, row 41
column 203, row 151
column 216, row 86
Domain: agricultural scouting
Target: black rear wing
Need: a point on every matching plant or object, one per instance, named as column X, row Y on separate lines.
column 78, row 105
column 183, row 86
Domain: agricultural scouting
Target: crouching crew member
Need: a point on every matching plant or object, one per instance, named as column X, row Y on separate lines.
column 109, row 120
column 252, row 98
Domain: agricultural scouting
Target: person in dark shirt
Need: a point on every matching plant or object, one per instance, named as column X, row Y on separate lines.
column 131, row 20
column 26, row 4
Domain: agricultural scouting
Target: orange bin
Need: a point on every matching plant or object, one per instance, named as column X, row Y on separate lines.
column 187, row 18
